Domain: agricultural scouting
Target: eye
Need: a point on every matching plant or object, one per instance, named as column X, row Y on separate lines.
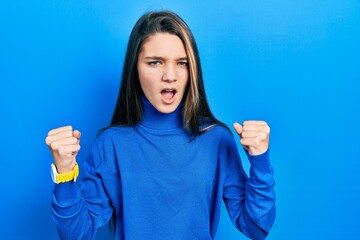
column 153, row 63
column 185, row 64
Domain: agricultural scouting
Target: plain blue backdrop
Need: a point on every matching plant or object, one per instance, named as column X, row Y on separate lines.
column 294, row 64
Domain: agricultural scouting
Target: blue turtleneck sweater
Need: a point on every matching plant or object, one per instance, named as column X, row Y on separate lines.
column 159, row 183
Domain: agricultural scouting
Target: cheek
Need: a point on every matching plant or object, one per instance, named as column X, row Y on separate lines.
column 148, row 85
column 144, row 79
column 186, row 80
column 145, row 85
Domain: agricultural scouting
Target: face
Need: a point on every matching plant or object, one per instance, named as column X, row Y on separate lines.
column 163, row 71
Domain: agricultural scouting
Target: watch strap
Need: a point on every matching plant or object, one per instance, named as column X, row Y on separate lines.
column 64, row 177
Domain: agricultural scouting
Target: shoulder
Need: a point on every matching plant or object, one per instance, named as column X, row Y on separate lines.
column 219, row 134
column 214, row 127
column 109, row 142
column 113, row 134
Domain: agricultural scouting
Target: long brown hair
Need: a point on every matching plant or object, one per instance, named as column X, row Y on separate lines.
column 129, row 110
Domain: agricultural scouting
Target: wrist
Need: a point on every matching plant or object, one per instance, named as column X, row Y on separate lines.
column 61, row 177
column 62, row 170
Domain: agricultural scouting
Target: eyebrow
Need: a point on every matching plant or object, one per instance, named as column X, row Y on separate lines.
column 161, row 58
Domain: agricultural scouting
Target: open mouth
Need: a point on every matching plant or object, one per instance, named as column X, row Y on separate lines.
column 168, row 94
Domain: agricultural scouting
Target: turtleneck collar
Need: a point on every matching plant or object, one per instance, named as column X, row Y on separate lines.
column 154, row 119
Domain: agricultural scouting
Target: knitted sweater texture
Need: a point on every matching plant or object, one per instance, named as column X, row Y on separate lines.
column 158, row 182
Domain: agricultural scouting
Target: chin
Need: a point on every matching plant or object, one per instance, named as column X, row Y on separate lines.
column 167, row 108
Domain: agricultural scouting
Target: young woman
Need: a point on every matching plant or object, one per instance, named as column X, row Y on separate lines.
column 165, row 164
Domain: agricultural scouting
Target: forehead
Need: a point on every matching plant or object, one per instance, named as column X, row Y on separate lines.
column 163, row 44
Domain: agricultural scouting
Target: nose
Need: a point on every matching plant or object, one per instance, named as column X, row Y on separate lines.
column 169, row 74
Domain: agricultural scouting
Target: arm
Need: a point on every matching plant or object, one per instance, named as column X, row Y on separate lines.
column 250, row 201
column 78, row 212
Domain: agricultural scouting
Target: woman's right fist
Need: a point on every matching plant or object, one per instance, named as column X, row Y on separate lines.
column 64, row 144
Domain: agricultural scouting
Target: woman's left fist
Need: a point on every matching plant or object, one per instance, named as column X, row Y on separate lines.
column 254, row 136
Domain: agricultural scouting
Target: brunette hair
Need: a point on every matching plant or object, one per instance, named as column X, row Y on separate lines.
column 197, row 117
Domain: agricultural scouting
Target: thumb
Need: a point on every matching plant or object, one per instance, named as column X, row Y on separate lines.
column 76, row 134
column 238, row 128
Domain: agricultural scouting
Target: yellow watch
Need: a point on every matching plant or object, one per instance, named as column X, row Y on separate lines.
column 64, row 177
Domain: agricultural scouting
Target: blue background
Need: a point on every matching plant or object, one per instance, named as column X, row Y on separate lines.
column 294, row 64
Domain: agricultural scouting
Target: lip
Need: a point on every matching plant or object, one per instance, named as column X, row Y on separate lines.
column 166, row 98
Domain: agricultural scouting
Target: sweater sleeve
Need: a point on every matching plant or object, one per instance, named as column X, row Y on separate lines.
column 250, row 201
column 79, row 210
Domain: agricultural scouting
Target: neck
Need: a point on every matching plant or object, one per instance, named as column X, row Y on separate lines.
column 154, row 119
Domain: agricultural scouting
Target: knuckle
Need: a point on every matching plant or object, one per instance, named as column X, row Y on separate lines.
column 50, row 132
column 47, row 141
column 267, row 129
column 263, row 135
column 54, row 145
column 257, row 141
column 68, row 133
column 62, row 151
column 73, row 140
column 68, row 128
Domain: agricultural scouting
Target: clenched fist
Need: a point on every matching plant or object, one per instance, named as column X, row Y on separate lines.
column 64, row 144
column 254, row 136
